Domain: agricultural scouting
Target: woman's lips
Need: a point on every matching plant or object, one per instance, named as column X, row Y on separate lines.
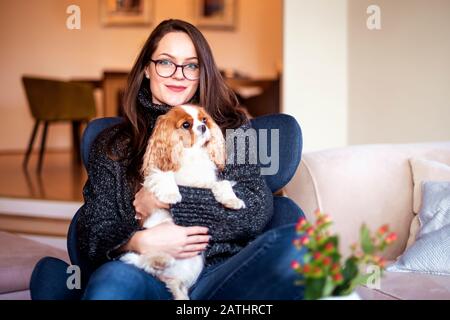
column 176, row 88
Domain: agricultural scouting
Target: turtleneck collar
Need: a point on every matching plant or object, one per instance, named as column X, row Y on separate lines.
column 145, row 99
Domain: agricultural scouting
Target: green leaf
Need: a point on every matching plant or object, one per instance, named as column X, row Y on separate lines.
column 314, row 288
column 349, row 273
column 329, row 287
column 366, row 241
column 359, row 280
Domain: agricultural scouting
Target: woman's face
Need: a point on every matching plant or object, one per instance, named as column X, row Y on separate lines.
column 175, row 47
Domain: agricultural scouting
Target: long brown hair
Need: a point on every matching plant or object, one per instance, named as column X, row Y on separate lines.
column 213, row 94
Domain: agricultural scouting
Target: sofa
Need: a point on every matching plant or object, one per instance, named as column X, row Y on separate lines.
column 371, row 184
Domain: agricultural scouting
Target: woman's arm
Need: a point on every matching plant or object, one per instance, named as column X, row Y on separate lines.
column 199, row 207
column 106, row 220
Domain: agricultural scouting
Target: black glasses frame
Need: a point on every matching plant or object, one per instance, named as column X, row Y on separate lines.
column 182, row 66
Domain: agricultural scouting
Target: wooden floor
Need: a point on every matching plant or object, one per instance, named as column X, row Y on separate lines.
column 60, row 179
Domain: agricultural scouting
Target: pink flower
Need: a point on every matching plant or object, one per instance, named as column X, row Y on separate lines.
column 383, row 229
column 337, row 277
column 304, row 240
column 335, row 268
column 391, row 238
column 326, row 261
column 310, row 231
column 295, row 265
column 306, row 268
column 300, row 224
column 317, row 256
column 329, row 247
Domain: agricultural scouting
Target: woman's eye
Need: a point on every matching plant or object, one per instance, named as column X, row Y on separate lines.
column 192, row 66
column 186, row 125
column 204, row 120
column 164, row 62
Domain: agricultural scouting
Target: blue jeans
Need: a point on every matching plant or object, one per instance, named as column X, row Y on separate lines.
column 259, row 271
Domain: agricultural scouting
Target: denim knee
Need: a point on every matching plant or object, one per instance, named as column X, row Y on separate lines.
column 283, row 238
column 117, row 280
column 284, row 233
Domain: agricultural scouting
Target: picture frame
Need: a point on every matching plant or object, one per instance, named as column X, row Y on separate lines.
column 126, row 12
column 216, row 14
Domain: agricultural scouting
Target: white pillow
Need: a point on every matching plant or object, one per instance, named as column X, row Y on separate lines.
column 431, row 251
column 423, row 170
column 426, row 170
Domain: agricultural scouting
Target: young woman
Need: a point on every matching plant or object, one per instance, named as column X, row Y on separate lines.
column 176, row 66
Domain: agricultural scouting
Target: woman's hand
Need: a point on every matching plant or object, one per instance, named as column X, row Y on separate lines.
column 145, row 202
column 179, row 242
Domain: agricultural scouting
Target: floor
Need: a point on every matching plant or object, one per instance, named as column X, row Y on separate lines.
column 40, row 206
column 59, row 179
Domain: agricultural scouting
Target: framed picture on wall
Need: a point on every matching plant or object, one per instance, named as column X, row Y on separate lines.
column 126, row 12
column 216, row 14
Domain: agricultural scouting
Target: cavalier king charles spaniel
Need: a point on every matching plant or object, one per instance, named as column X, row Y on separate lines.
column 187, row 148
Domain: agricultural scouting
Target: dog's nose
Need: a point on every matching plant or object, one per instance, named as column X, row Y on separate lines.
column 202, row 128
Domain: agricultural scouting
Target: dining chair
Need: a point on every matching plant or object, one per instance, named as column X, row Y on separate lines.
column 52, row 101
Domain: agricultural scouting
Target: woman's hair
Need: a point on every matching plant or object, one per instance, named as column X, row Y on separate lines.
column 213, row 94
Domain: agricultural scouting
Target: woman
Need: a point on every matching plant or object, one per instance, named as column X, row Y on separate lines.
column 176, row 66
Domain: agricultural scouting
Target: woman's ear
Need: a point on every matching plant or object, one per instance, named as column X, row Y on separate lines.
column 164, row 148
column 147, row 72
column 216, row 145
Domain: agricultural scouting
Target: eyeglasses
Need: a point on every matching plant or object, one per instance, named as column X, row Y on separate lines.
column 166, row 69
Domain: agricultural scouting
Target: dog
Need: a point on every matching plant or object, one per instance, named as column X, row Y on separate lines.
column 186, row 148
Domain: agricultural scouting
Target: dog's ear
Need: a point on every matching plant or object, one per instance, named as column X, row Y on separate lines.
column 163, row 149
column 216, row 145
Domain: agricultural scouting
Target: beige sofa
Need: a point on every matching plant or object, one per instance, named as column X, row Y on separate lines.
column 371, row 184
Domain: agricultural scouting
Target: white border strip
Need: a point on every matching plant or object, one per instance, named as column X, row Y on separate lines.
column 39, row 208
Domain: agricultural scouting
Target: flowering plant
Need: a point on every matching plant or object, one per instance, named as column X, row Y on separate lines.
column 322, row 272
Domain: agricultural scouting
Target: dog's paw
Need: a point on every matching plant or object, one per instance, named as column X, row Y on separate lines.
column 169, row 197
column 163, row 186
column 234, row 203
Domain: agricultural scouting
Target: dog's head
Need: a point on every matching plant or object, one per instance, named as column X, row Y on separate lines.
column 185, row 126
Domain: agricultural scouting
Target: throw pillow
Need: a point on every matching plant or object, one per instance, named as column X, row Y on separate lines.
column 431, row 251
column 423, row 170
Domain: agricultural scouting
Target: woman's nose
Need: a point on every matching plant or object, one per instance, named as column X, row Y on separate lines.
column 178, row 73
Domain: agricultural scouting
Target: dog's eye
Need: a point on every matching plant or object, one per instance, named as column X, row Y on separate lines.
column 186, row 125
column 204, row 120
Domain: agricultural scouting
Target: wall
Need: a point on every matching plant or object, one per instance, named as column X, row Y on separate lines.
column 315, row 73
column 399, row 76
column 34, row 40
column 348, row 85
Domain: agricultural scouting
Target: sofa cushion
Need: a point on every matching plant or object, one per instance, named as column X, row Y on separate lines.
column 430, row 252
column 423, row 170
column 426, row 170
column 415, row 286
column 18, row 256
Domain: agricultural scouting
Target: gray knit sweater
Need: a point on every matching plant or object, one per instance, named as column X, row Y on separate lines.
column 106, row 220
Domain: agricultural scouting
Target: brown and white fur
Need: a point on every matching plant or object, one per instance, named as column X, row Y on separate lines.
column 187, row 148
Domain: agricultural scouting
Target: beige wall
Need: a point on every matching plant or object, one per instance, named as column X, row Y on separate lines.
column 348, row 85
column 315, row 75
column 34, row 40
column 399, row 76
